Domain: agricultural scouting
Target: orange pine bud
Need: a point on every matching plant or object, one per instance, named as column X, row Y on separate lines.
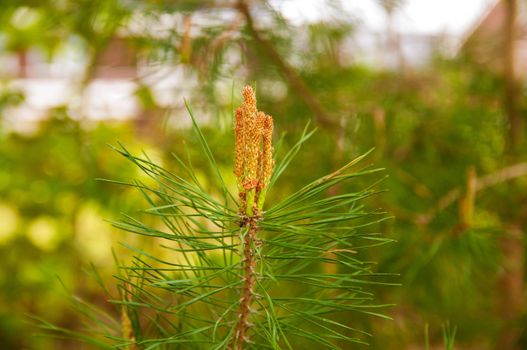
column 260, row 123
column 267, row 157
column 250, row 134
column 249, row 102
column 254, row 137
column 239, row 146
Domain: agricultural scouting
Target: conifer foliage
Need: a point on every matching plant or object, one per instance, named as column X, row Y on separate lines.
column 234, row 273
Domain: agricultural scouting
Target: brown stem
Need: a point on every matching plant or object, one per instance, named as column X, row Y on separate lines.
column 290, row 75
column 247, row 294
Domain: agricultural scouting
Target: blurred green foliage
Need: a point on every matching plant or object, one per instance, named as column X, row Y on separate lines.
column 457, row 258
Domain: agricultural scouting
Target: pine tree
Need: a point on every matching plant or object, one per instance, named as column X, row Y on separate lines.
column 241, row 275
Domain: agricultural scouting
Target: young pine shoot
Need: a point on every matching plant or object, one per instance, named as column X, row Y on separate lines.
column 231, row 272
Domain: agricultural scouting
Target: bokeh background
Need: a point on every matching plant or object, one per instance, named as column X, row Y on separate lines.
column 437, row 87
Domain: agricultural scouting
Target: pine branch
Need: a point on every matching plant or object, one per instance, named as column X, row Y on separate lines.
column 503, row 175
column 233, row 274
column 290, row 75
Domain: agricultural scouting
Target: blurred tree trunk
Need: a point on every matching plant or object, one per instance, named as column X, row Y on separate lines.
column 511, row 281
column 511, row 83
column 22, row 64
